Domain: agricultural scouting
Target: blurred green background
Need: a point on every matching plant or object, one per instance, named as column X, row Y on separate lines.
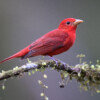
column 23, row 21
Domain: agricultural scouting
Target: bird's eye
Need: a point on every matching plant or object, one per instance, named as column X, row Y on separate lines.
column 68, row 23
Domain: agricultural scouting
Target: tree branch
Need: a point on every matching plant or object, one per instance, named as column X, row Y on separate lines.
column 87, row 75
column 40, row 65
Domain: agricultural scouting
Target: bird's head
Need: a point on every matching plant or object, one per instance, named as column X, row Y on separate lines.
column 69, row 24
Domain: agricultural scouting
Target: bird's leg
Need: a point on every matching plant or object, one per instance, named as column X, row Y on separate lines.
column 54, row 59
column 62, row 62
column 57, row 61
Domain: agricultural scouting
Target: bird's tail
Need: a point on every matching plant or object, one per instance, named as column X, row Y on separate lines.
column 17, row 55
column 9, row 58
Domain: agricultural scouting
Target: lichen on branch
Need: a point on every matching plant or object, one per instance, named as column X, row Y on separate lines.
column 88, row 75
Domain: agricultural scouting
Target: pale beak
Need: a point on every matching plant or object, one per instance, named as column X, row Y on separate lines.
column 78, row 21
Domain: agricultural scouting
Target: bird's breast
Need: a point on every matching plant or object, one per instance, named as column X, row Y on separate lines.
column 69, row 41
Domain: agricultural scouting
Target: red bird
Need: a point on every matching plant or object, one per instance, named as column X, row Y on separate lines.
column 53, row 42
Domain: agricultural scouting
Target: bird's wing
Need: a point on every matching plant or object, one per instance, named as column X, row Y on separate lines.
column 48, row 43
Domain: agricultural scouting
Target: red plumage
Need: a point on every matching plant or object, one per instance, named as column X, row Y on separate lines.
column 53, row 42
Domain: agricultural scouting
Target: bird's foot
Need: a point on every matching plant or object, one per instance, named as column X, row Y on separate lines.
column 57, row 61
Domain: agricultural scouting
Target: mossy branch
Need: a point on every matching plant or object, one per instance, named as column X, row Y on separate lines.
column 87, row 75
column 37, row 66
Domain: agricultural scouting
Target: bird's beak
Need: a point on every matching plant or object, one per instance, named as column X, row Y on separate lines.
column 78, row 21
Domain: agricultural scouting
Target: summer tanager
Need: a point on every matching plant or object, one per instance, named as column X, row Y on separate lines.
column 52, row 43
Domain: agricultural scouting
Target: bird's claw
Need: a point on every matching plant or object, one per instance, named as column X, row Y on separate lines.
column 57, row 61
